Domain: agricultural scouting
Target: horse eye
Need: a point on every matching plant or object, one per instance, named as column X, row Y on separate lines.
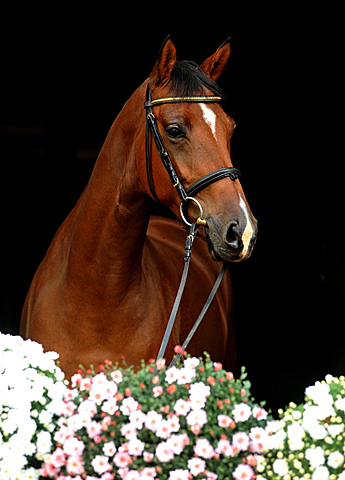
column 175, row 132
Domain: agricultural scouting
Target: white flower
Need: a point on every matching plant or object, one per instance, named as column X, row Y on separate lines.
column 321, row 473
column 335, row 459
column 318, row 393
column 280, row 467
column 44, row 442
column 340, row 404
column 315, row 456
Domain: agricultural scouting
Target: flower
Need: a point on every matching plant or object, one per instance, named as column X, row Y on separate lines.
column 100, row 464
column 243, row 472
column 182, row 407
column 241, row 412
column 135, row 447
column 335, row 459
column 109, row 449
column 203, row 448
column 224, row 421
column 179, row 474
column 197, row 417
column 240, row 441
column 164, row 452
column 280, row 467
column 196, row 465
column 153, row 420
column 122, row 459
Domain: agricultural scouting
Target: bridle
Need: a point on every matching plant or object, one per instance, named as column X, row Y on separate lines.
column 185, row 195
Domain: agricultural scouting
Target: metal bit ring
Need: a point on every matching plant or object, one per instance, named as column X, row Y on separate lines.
column 200, row 220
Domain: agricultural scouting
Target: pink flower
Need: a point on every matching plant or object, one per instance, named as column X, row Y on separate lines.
column 148, row 473
column 196, row 465
column 132, row 475
column 241, row 412
column 100, row 464
column 176, row 443
column 157, row 391
column 163, row 452
column 192, row 362
column 203, row 448
column 174, row 423
column 198, row 393
column 164, row 429
column 73, row 446
column 93, row 429
column 197, row 417
column 160, row 363
column 122, row 459
column 47, row 470
column 259, row 413
column 105, row 476
column 182, row 407
column 225, row 448
column 109, row 449
column 116, row 375
column 179, row 474
column 217, row 366
column 257, row 436
column 129, row 431
column 171, row 375
column 241, row 441
column 110, row 406
column 211, row 475
column 137, row 419
column 185, row 375
column 58, row 458
column 224, row 421
column 61, row 435
column 243, row 472
column 135, row 447
column 129, row 405
column 148, row 456
column 87, row 408
column 85, row 384
column 75, row 465
column 153, row 420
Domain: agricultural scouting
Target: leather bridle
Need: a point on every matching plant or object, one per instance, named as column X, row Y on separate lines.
column 196, row 187
column 185, row 195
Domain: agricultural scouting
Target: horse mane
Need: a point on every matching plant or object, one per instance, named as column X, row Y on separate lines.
column 188, row 80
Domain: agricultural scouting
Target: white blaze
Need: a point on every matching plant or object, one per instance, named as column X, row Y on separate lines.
column 209, row 117
column 248, row 231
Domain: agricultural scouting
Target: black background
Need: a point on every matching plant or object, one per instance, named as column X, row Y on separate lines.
column 64, row 79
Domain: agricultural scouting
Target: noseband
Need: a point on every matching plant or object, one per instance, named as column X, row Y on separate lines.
column 184, row 194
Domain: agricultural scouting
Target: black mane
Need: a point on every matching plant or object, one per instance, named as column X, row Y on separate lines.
column 189, row 80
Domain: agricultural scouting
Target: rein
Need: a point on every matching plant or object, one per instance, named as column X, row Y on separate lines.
column 185, row 195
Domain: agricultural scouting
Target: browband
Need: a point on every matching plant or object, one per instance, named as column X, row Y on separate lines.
column 161, row 101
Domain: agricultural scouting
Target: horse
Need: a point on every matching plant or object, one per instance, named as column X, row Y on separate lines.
column 107, row 283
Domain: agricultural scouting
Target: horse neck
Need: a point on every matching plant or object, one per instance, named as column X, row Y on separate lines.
column 111, row 218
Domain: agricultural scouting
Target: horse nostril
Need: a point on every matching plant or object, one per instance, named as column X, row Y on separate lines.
column 232, row 236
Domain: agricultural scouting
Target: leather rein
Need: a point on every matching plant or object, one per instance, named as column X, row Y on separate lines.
column 185, row 195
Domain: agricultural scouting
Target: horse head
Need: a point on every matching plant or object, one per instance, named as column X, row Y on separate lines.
column 197, row 137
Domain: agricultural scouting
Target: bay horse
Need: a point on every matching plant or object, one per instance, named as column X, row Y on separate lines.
column 107, row 283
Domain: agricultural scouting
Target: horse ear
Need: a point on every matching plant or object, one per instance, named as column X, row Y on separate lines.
column 165, row 63
column 215, row 65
